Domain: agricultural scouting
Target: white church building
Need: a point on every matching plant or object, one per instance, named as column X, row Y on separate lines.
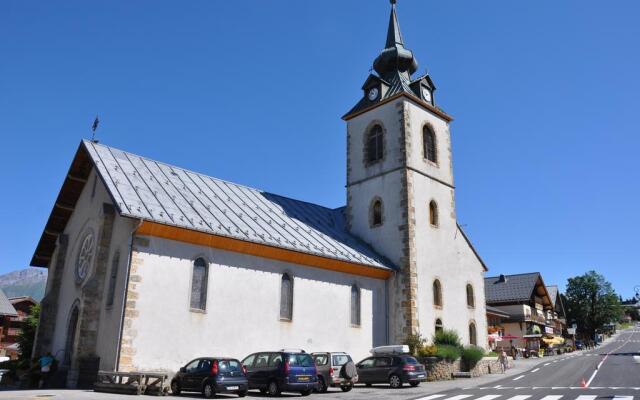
column 151, row 265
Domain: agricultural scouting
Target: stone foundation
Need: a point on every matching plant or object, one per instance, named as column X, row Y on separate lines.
column 443, row 370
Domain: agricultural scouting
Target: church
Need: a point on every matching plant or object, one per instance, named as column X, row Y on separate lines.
column 151, row 265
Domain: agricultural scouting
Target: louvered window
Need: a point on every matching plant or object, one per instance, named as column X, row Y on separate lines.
column 199, row 280
column 286, row 297
column 429, row 143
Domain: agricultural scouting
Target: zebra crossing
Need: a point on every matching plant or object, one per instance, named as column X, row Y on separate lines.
column 528, row 396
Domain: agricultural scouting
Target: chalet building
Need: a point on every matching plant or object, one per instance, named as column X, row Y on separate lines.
column 141, row 252
column 7, row 332
column 535, row 312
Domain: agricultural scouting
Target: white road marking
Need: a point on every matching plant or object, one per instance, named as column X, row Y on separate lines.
column 623, row 398
column 554, row 397
column 459, row 397
column 489, row 397
column 519, row 377
column 432, row 397
column 585, row 397
column 546, row 364
column 536, row 370
column 520, row 397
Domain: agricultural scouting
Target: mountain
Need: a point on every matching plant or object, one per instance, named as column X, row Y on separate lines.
column 25, row 282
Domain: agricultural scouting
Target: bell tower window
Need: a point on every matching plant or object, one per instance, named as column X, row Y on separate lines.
column 429, row 144
column 433, row 213
column 374, row 145
column 376, row 213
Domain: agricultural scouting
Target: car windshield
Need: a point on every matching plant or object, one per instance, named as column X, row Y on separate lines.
column 410, row 360
column 340, row 359
column 230, row 366
column 300, row 360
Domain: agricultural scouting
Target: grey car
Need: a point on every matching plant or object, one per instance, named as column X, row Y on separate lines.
column 335, row 369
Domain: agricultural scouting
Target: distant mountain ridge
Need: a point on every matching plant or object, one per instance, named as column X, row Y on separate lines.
column 25, row 282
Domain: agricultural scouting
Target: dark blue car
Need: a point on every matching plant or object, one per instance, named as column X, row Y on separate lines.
column 274, row 372
column 211, row 375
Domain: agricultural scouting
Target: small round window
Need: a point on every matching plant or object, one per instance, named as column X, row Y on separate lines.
column 85, row 256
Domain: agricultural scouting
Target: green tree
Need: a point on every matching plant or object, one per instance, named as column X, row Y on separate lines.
column 28, row 334
column 591, row 303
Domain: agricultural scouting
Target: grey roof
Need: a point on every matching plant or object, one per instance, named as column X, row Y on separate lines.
column 6, row 308
column 497, row 311
column 516, row 288
column 150, row 190
column 553, row 293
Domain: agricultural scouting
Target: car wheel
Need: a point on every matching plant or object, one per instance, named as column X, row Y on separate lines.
column 273, row 389
column 208, row 391
column 322, row 386
column 346, row 388
column 414, row 384
column 242, row 393
column 395, row 382
column 175, row 388
column 263, row 391
column 305, row 392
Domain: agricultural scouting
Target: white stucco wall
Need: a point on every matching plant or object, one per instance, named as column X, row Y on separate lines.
column 88, row 215
column 243, row 306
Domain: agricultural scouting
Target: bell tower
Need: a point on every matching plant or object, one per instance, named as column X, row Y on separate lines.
column 400, row 192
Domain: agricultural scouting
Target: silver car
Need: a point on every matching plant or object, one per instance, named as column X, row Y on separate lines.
column 335, row 369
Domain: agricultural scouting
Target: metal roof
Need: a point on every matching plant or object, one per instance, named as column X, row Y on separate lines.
column 553, row 293
column 514, row 288
column 6, row 308
column 153, row 191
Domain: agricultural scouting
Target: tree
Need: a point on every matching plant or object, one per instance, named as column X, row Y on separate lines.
column 591, row 303
column 28, row 334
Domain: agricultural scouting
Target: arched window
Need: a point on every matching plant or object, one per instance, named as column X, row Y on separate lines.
column 471, row 302
column 199, row 280
column 433, row 213
column 472, row 334
column 374, row 145
column 355, row 305
column 437, row 293
column 429, row 144
column 376, row 212
column 72, row 333
column 286, row 297
column 439, row 327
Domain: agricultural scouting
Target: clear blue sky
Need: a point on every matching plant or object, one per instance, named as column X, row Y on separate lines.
column 545, row 96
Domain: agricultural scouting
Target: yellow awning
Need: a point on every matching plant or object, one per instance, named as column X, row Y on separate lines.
column 553, row 340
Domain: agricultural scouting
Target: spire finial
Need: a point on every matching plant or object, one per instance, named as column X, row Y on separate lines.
column 395, row 57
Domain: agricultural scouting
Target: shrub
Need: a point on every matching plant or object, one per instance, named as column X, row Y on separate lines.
column 448, row 352
column 416, row 343
column 471, row 355
column 447, row 337
column 428, row 351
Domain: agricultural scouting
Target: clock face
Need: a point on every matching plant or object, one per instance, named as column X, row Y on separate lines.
column 426, row 94
column 373, row 94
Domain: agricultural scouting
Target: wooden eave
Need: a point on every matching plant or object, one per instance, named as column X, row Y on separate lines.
column 421, row 102
column 154, row 229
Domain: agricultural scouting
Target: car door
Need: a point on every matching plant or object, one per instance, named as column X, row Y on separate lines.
column 188, row 380
column 249, row 365
column 204, row 371
column 381, row 368
column 365, row 370
column 261, row 370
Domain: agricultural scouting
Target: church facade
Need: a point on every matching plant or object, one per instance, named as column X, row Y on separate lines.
column 152, row 265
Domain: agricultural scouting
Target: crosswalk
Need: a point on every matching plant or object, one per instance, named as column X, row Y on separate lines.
column 524, row 397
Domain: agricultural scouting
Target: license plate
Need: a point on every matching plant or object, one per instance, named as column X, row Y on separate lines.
column 420, row 376
column 303, row 379
column 233, row 387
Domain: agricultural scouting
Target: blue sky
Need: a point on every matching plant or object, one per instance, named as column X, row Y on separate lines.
column 545, row 96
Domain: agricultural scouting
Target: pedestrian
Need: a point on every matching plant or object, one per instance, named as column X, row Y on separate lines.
column 514, row 352
column 46, row 363
column 504, row 361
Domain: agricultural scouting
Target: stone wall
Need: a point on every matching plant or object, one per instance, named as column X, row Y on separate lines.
column 443, row 370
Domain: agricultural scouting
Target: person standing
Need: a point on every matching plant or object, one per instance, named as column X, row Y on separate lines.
column 504, row 361
column 46, row 364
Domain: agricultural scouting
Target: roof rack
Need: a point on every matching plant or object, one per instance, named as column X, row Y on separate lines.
column 393, row 349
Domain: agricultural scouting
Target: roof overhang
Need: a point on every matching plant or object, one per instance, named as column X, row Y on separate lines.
column 63, row 207
column 154, row 229
column 429, row 107
column 473, row 249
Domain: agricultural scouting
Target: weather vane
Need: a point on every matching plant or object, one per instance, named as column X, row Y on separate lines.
column 93, row 128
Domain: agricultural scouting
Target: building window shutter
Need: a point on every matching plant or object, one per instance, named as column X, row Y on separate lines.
column 374, row 145
column 429, row 143
column 199, row 285
column 355, row 305
column 286, row 298
column 113, row 278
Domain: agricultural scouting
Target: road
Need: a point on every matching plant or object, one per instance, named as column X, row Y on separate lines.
column 555, row 378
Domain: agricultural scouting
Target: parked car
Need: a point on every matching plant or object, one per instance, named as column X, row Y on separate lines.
column 273, row 372
column 211, row 375
column 393, row 369
column 335, row 369
column 579, row 345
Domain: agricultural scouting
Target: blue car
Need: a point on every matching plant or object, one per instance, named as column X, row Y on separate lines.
column 274, row 372
column 211, row 375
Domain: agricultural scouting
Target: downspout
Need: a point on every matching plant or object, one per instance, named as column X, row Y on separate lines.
column 126, row 292
column 386, row 309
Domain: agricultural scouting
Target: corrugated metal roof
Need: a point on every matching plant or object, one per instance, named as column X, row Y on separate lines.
column 154, row 191
column 6, row 308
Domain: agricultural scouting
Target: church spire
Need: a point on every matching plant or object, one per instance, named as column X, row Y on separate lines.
column 395, row 58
